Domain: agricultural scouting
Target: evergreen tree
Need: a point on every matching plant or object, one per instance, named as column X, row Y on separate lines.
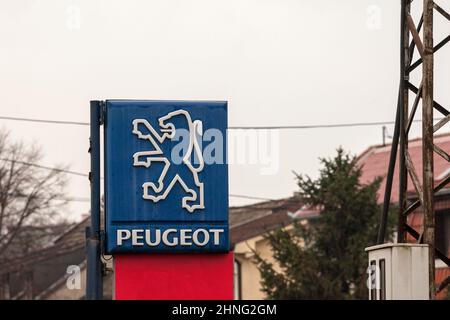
column 325, row 258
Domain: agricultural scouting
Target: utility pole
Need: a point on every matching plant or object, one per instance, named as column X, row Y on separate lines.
column 405, row 61
column 427, row 139
column 94, row 280
column 410, row 42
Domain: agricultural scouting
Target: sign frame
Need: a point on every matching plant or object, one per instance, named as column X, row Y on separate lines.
column 200, row 227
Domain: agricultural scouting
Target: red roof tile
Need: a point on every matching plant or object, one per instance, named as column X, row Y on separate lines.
column 440, row 275
column 375, row 161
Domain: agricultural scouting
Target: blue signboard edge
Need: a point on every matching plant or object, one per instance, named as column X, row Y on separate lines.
column 110, row 249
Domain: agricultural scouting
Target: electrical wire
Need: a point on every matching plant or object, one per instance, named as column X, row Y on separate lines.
column 45, row 167
column 281, row 127
column 288, row 127
column 250, row 197
column 45, row 121
column 80, row 199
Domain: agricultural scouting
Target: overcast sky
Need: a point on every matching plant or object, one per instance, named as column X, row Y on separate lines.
column 276, row 62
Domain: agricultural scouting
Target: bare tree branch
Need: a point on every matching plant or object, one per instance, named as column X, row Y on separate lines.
column 27, row 198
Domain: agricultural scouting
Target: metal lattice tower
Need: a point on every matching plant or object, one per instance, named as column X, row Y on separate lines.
column 411, row 41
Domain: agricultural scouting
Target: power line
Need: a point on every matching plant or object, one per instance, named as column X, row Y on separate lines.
column 312, row 126
column 86, row 199
column 45, row 121
column 281, row 127
column 75, row 199
column 68, row 199
column 79, row 199
column 320, row 126
column 45, row 167
column 250, row 197
column 285, row 127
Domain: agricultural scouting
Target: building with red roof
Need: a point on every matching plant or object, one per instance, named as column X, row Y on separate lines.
column 374, row 163
column 249, row 223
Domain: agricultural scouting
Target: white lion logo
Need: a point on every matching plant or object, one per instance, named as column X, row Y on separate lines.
column 191, row 185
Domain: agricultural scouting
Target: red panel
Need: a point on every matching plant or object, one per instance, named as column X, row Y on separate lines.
column 174, row 276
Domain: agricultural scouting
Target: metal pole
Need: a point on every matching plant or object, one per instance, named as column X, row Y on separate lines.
column 427, row 141
column 399, row 133
column 390, row 176
column 94, row 285
column 404, row 77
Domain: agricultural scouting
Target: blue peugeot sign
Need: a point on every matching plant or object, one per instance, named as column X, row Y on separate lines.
column 166, row 176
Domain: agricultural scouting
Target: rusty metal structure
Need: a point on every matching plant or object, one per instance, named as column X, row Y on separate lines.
column 411, row 41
